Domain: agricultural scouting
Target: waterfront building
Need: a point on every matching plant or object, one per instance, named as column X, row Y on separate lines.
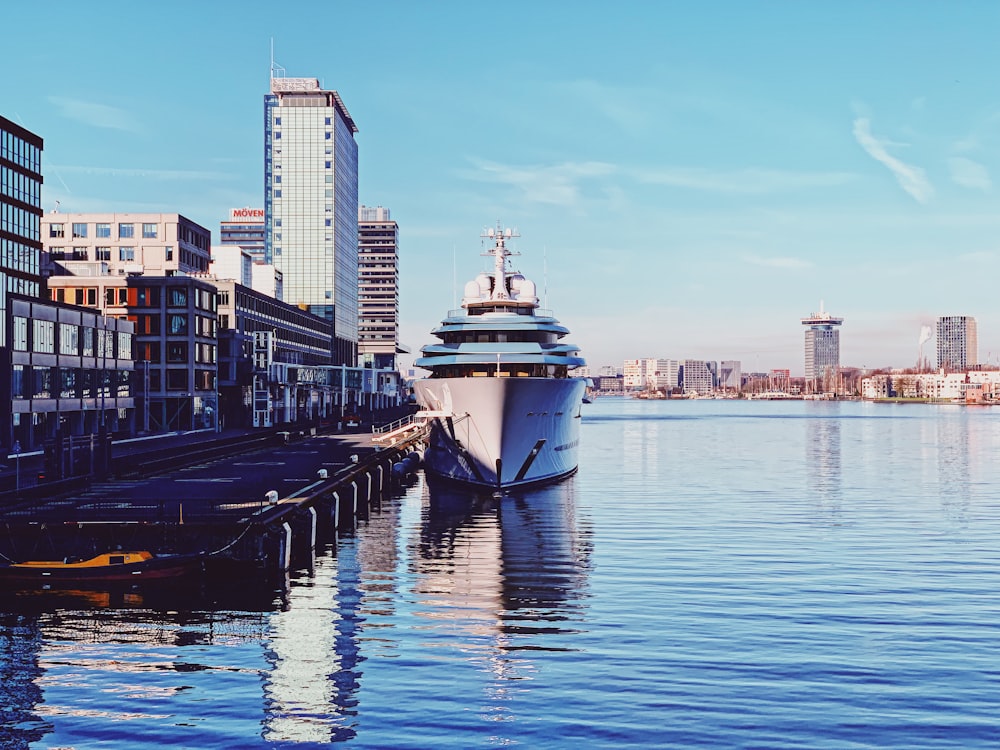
column 696, row 377
column 957, row 343
column 175, row 340
column 634, row 374
column 68, row 371
column 822, row 350
column 311, row 204
column 640, row 374
column 730, row 375
column 158, row 244
column 610, row 384
column 245, row 229
column 667, row 375
column 274, row 360
column 378, row 288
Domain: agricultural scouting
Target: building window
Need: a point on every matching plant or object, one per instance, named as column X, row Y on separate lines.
column 79, row 253
column 177, row 324
column 79, row 230
column 102, row 230
column 149, row 231
column 42, row 385
column 149, row 296
column 177, row 380
column 178, row 297
column 20, row 334
column 56, row 230
column 17, row 382
column 126, row 231
column 43, row 336
column 126, row 253
column 176, row 352
column 57, row 253
column 69, row 341
column 169, row 251
column 104, row 253
column 88, row 342
column 67, row 382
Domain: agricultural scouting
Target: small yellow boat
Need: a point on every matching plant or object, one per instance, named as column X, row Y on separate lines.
column 109, row 566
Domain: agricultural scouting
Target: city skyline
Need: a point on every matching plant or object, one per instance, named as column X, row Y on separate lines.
column 688, row 181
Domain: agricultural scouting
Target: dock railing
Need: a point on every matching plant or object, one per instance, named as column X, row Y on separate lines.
column 408, row 428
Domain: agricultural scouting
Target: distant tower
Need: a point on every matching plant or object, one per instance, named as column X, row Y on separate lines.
column 957, row 343
column 822, row 349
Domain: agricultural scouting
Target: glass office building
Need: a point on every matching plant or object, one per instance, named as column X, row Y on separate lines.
column 311, row 204
column 20, row 214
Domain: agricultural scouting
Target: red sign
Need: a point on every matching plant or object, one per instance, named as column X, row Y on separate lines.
column 246, row 214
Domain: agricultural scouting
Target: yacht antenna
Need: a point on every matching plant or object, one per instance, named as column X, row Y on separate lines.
column 545, row 277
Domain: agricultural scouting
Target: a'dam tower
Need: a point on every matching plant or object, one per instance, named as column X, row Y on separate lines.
column 822, row 349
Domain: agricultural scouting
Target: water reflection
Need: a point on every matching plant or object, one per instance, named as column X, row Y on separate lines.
column 823, row 459
column 505, row 577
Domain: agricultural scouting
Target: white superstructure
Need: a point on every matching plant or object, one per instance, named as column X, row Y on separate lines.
column 506, row 408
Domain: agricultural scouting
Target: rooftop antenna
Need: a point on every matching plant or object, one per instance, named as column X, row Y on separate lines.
column 276, row 70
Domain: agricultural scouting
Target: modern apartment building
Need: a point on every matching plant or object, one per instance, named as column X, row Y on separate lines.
column 378, row 288
column 123, row 244
column 957, row 343
column 696, row 377
column 311, row 204
column 20, row 215
column 822, row 350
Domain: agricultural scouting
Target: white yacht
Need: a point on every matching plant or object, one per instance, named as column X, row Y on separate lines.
column 503, row 405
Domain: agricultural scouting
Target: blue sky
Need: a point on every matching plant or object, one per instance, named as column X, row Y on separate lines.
column 695, row 177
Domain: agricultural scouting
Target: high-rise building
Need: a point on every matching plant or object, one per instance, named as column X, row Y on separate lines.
column 378, row 288
column 311, row 204
column 245, row 228
column 20, row 215
column 957, row 342
column 822, row 349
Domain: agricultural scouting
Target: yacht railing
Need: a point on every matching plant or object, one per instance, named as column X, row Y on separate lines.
column 537, row 312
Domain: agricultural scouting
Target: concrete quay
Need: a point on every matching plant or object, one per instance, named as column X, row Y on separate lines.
column 248, row 502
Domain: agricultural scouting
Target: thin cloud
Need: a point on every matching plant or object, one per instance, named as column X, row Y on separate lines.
column 968, row 173
column 95, row 115
column 912, row 179
column 613, row 103
column 558, row 184
column 785, row 263
column 147, row 174
column 742, row 181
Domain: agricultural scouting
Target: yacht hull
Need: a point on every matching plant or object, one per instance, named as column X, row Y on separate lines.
column 502, row 432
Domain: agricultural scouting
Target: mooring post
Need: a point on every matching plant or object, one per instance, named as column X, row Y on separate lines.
column 285, row 548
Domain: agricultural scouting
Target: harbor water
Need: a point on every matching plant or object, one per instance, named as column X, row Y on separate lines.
column 723, row 574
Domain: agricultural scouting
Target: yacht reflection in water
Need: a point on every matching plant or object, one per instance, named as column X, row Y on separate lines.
column 507, row 577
